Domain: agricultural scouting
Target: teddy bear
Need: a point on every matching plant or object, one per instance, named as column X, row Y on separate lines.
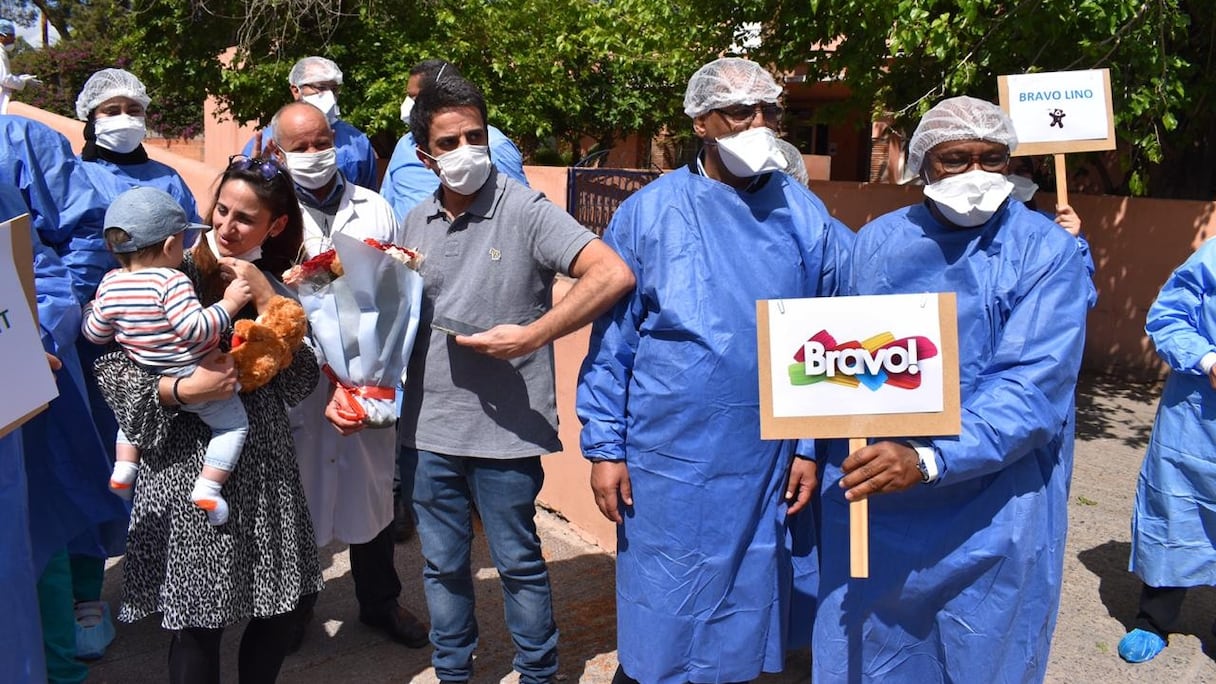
column 264, row 346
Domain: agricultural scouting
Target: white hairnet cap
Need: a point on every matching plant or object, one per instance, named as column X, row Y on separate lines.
column 795, row 165
column 108, row 83
column 960, row 118
column 728, row 81
column 314, row 70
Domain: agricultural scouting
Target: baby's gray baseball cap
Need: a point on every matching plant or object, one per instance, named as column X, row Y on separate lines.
column 149, row 216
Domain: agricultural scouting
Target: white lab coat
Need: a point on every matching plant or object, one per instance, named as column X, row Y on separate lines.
column 9, row 83
column 348, row 481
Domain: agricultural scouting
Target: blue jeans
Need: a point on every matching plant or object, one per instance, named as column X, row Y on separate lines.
column 504, row 492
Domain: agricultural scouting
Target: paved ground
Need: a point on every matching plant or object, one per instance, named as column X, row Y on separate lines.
column 1099, row 595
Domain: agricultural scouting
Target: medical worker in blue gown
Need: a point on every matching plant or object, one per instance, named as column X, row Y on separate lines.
column 317, row 81
column 967, row 531
column 1172, row 540
column 21, row 659
column 71, row 508
column 406, row 180
column 113, row 105
column 669, row 395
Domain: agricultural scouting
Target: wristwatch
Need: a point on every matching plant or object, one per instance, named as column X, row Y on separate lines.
column 926, row 461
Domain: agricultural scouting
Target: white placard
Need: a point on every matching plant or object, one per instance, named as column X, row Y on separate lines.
column 24, row 372
column 1059, row 106
column 844, row 356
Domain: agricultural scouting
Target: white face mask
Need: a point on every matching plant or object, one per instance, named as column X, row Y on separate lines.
column 252, row 255
column 465, row 169
column 969, row 199
column 312, row 170
column 120, row 133
column 407, row 106
column 10, row 47
column 1023, row 187
column 326, row 102
column 751, row 152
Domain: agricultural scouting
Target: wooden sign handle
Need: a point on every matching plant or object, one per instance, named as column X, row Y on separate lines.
column 859, row 528
column 1061, row 180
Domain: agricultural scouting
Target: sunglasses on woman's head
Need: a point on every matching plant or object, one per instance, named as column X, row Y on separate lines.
column 269, row 167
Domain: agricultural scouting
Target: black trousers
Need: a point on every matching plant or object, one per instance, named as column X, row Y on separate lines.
column 194, row 654
column 1159, row 609
column 375, row 574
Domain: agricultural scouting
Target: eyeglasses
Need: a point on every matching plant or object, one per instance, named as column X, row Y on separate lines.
column 269, row 167
column 958, row 162
column 321, row 87
column 744, row 114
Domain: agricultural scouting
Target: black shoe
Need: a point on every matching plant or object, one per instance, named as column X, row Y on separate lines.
column 399, row 624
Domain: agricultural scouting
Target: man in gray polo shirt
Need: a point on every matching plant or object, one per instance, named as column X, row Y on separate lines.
column 479, row 406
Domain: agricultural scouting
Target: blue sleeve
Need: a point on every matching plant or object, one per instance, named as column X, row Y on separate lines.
column 1088, row 258
column 185, row 198
column 600, row 399
column 1176, row 319
column 406, row 181
column 59, row 312
column 355, row 155
column 1024, row 395
column 68, row 209
column 247, row 150
column 506, row 156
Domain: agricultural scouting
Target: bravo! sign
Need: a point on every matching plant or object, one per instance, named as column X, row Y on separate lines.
column 831, row 365
column 1060, row 111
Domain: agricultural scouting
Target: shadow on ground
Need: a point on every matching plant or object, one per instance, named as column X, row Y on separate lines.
column 1101, row 410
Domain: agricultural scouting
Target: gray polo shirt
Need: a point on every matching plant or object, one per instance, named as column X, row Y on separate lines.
column 494, row 264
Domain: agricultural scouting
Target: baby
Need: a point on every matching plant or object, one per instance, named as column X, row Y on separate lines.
column 151, row 309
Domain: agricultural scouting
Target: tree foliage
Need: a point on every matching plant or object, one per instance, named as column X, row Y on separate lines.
column 559, row 69
column 904, row 55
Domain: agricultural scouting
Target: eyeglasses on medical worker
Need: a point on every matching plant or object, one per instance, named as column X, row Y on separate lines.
column 744, row 114
column 319, row 87
column 958, row 162
column 269, row 167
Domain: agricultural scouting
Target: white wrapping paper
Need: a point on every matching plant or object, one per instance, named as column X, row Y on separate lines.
column 364, row 323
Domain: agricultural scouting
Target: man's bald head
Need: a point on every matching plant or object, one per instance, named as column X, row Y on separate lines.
column 297, row 119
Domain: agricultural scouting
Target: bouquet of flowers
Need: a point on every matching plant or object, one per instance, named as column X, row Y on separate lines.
column 362, row 299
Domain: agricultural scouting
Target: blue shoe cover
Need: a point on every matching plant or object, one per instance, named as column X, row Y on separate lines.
column 1140, row 646
column 94, row 629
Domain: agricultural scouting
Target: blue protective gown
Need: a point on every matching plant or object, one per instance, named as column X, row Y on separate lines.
column 1175, row 512
column 670, row 387
column 66, row 458
column 356, row 158
column 407, row 182
column 965, row 572
column 21, row 658
column 151, row 174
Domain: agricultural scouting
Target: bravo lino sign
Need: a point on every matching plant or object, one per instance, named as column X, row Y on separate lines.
column 883, row 359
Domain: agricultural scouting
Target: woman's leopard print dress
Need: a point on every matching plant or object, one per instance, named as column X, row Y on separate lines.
column 264, row 558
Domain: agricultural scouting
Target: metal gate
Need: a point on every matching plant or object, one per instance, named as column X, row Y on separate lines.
column 592, row 195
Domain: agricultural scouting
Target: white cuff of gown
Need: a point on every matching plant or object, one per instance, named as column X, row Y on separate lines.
column 927, row 455
column 1206, row 363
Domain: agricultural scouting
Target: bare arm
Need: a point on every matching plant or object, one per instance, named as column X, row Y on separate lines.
column 603, row 278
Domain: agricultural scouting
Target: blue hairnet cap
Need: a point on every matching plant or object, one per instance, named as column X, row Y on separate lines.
column 7, row 28
column 149, row 216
